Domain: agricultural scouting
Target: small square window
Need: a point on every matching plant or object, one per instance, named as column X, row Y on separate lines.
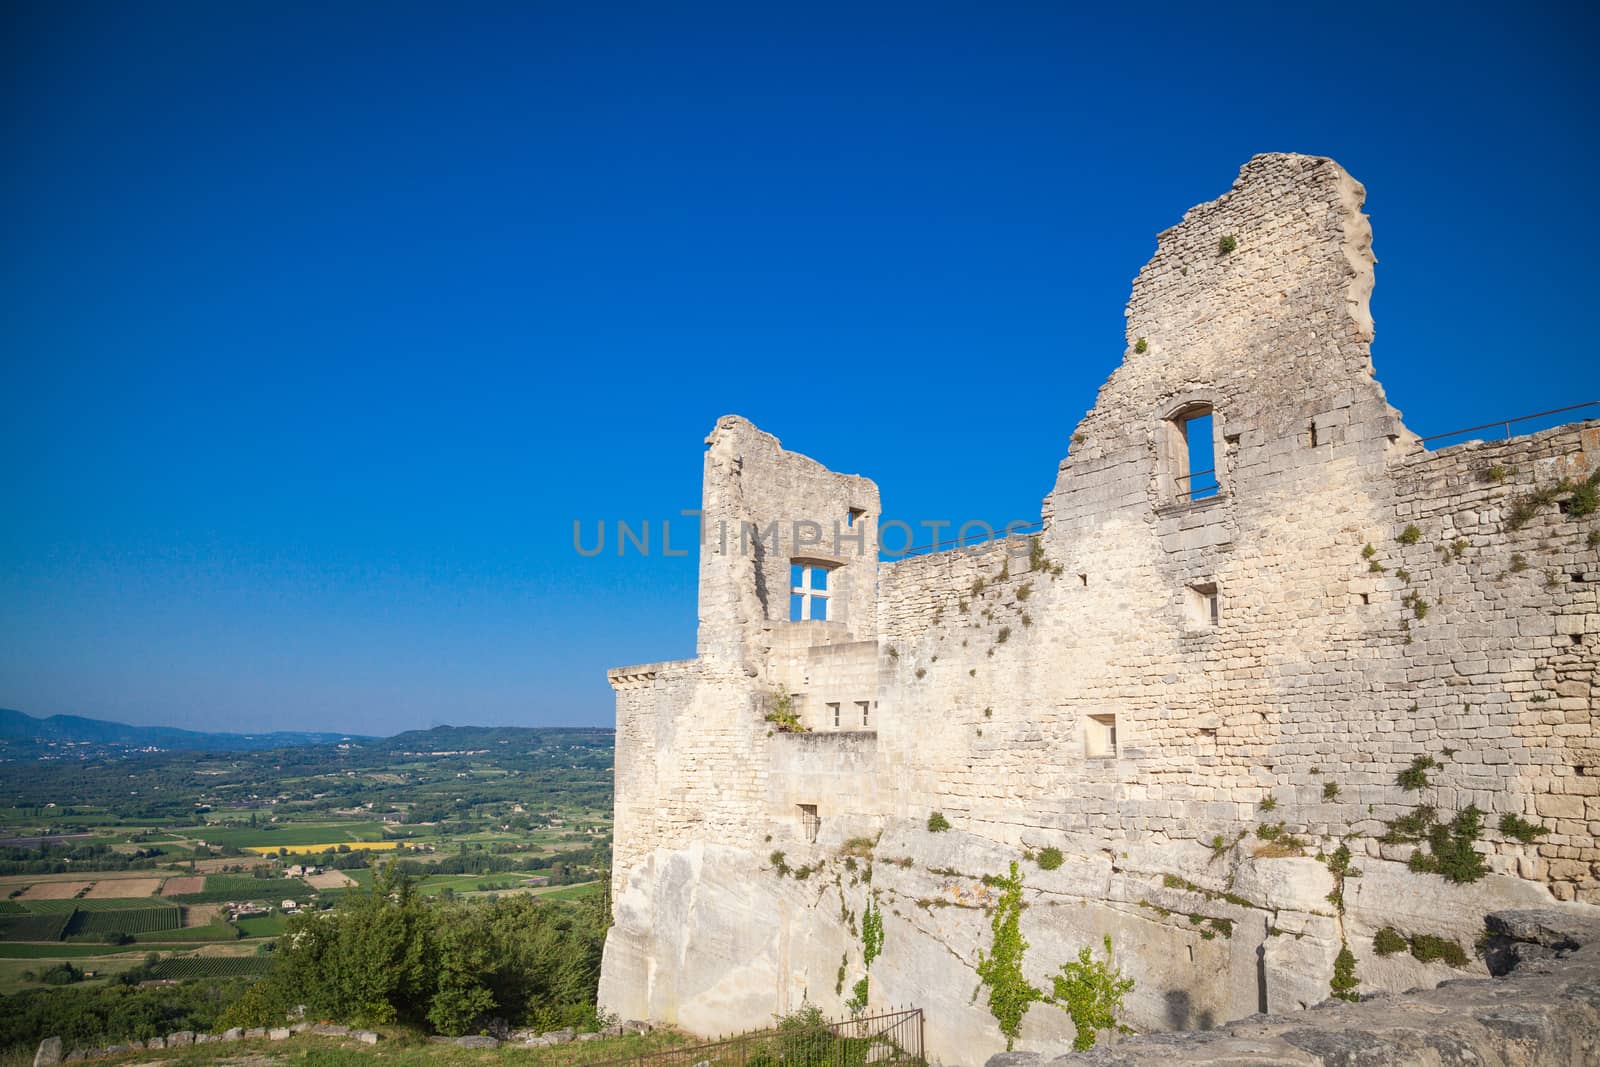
column 1204, row 606
column 854, row 515
column 1100, row 737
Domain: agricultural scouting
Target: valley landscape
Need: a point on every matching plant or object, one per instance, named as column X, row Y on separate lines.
column 125, row 865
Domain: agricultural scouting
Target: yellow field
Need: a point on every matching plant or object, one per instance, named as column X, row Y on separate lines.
column 307, row 850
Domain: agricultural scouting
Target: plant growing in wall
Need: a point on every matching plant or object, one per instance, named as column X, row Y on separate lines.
column 1050, row 858
column 937, row 823
column 1227, row 244
column 1520, row 829
column 1344, row 980
column 1410, row 535
column 782, row 715
column 871, row 932
column 1388, row 941
column 1415, row 777
column 1451, row 853
column 1010, row 994
column 1141, row 346
column 1091, row 991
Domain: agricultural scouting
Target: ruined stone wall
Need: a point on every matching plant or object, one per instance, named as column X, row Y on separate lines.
column 1344, row 647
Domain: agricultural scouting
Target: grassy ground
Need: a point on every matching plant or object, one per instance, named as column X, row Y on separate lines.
column 11, row 971
column 57, row 950
column 263, row 926
column 290, row 834
column 396, row 1050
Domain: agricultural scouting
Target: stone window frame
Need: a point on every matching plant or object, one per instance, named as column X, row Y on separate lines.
column 834, row 706
column 809, row 593
column 1202, row 606
column 810, row 821
column 1172, row 452
column 1100, row 736
column 866, row 713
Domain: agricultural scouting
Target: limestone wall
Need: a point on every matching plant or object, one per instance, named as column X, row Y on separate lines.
column 1376, row 603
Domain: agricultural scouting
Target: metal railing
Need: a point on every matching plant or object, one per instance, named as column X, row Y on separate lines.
column 1505, row 424
column 892, row 1039
column 994, row 534
column 1198, row 492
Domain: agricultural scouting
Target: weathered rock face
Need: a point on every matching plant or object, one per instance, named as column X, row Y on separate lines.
column 1158, row 682
column 1546, row 1012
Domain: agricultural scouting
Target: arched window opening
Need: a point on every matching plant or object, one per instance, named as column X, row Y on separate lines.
column 1191, row 458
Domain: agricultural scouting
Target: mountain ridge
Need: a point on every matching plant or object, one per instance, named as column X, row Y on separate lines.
column 20, row 726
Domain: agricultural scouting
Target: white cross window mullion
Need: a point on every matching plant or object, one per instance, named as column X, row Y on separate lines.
column 806, row 592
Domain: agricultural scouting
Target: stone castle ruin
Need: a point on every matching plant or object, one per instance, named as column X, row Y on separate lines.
column 1259, row 621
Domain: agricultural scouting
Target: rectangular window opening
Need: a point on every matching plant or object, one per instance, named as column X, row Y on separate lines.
column 1100, row 737
column 834, row 709
column 808, row 592
column 1201, row 474
column 1190, row 454
column 866, row 713
column 852, row 515
column 810, row 823
column 1205, row 606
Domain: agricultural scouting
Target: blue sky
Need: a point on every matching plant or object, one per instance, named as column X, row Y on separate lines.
column 320, row 324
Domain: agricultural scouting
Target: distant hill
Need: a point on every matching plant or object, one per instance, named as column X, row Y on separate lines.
column 491, row 738
column 16, row 726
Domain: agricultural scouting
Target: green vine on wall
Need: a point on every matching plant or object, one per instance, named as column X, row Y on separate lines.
column 1091, row 991
column 871, row 933
column 871, row 949
column 1010, row 994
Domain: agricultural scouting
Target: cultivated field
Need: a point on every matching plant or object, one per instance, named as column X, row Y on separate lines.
column 123, row 887
column 53, row 890
column 187, row 884
column 309, row 850
column 330, row 880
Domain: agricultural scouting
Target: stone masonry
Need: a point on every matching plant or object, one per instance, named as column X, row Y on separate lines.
column 1195, row 697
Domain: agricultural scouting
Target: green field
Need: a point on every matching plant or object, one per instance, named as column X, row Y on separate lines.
column 33, row 927
column 224, row 887
column 288, row 834
column 135, row 922
column 185, row 967
column 262, row 926
column 67, row 907
column 70, row 950
column 582, row 891
column 214, row 932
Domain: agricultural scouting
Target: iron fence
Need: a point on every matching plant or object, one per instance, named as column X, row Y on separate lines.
column 1199, row 484
column 892, row 1039
column 1505, row 424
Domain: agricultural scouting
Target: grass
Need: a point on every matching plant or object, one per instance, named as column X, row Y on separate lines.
column 317, row 850
column 262, row 926
column 289, row 835
column 397, row 1049
column 63, row 907
column 582, row 891
column 23, row 951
